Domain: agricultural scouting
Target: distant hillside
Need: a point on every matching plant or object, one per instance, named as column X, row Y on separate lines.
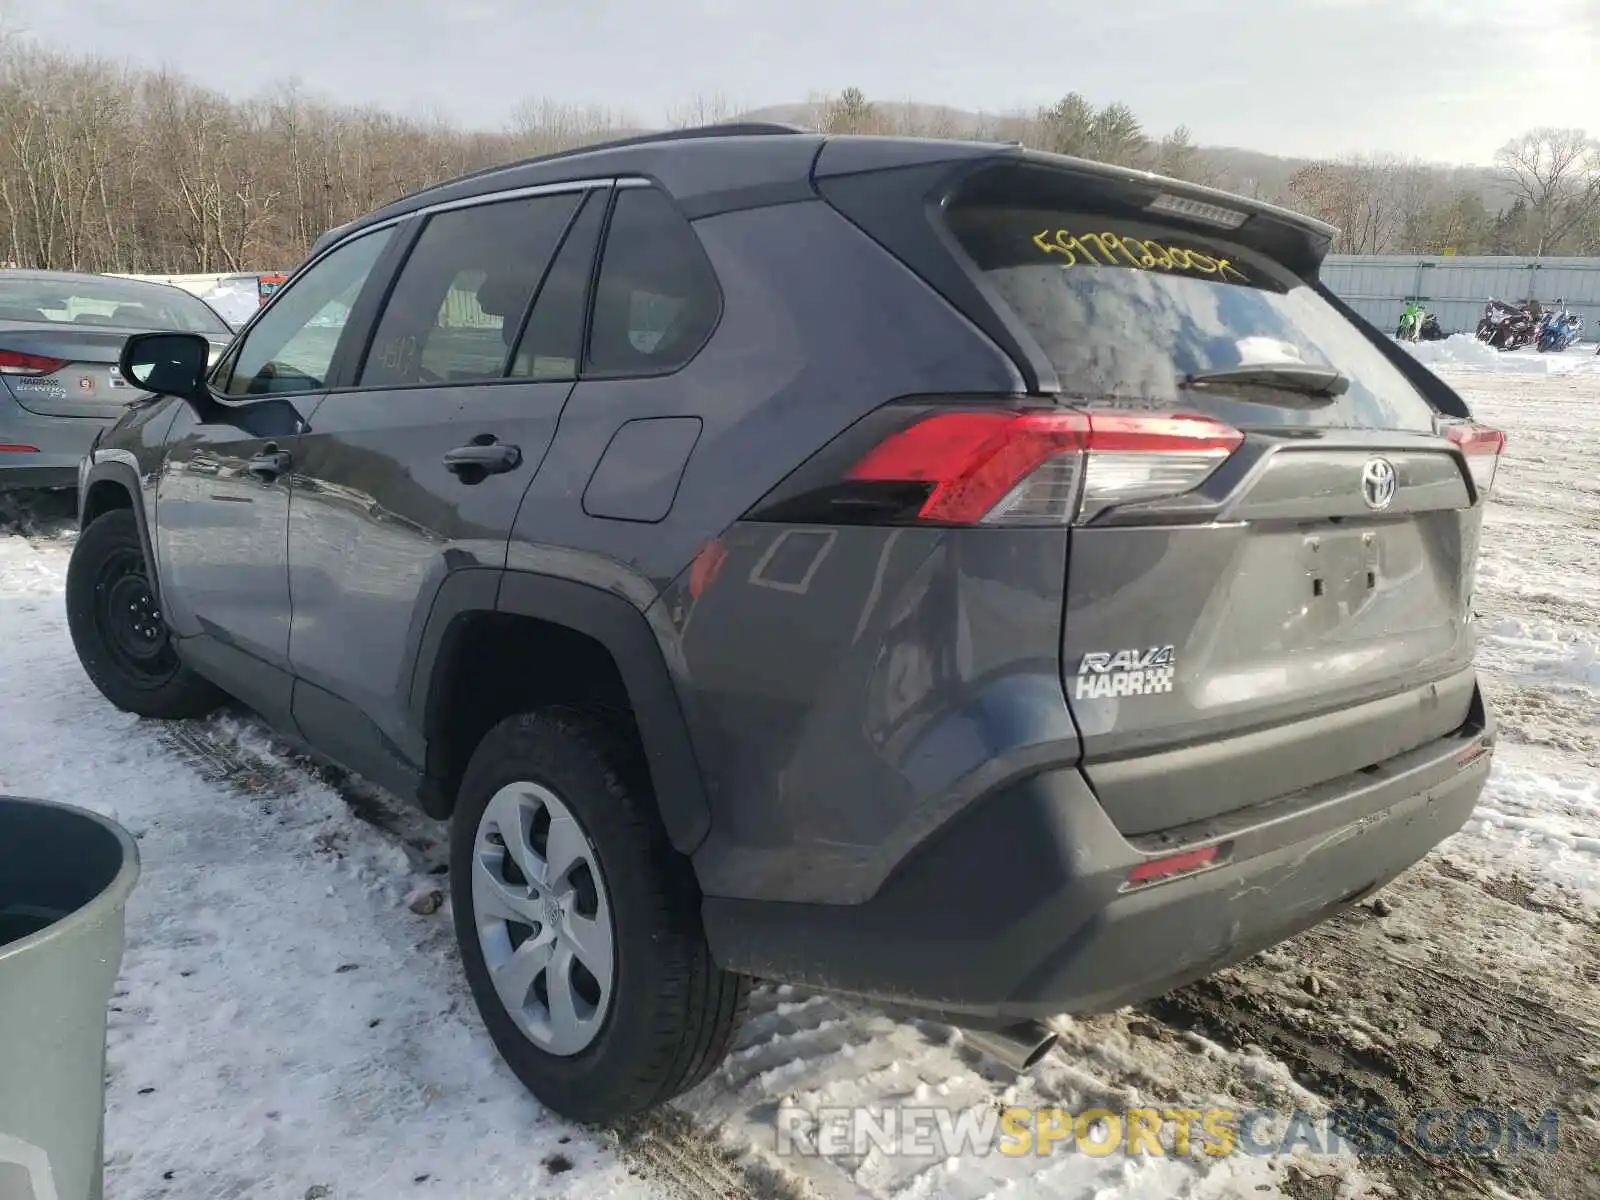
column 907, row 115
column 1251, row 172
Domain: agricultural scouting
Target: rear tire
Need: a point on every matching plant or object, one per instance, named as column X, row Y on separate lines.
column 117, row 628
column 655, row 1015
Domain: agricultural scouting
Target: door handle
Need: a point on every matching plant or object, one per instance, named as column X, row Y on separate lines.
column 269, row 464
column 482, row 456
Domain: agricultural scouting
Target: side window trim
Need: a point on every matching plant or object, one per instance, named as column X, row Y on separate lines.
column 544, row 277
column 348, row 369
column 222, row 374
column 600, row 195
column 426, row 211
column 594, row 283
column 356, row 335
column 351, row 356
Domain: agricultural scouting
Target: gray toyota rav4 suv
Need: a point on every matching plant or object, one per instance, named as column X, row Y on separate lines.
column 983, row 582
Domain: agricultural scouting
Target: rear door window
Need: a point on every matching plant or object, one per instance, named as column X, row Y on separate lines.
column 1126, row 309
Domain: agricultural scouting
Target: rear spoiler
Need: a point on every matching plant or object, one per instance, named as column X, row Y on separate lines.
column 1297, row 241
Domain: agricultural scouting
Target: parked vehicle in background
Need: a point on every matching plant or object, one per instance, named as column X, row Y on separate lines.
column 1495, row 313
column 1417, row 324
column 981, row 581
column 1410, row 327
column 267, row 285
column 1560, row 329
column 60, row 337
column 1517, row 329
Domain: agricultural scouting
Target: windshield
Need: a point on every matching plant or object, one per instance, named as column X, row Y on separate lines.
column 103, row 300
column 1128, row 309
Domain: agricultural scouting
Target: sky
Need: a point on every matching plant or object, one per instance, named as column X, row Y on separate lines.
column 1444, row 80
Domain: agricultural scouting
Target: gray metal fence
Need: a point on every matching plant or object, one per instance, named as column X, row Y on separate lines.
column 1455, row 288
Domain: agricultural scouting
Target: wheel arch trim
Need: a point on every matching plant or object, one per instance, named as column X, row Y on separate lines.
column 120, row 469
column 621, row 629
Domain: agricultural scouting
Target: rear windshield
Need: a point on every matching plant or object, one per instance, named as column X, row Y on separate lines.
column 103, row 300
column 1126, row 309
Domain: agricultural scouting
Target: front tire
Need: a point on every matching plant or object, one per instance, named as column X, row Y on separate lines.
column 117, row 628
column 579, row 924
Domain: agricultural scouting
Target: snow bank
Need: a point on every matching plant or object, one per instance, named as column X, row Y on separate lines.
column 1463, row 352
column 235, row 300
column 1541, row 825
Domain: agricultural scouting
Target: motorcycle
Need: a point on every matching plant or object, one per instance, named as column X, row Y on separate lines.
column 1410, row 327
column 1495, row 313
column 1430, row 329
column 1560, row 330
column 1518, row 329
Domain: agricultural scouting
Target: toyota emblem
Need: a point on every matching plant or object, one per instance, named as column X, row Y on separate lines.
column 1378, row 483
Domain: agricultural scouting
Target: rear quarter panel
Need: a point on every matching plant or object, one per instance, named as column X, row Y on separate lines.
column 819, row 326
column 846, row 689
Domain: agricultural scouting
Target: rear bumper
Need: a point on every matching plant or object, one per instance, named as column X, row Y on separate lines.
column 58, row 446
column 1017, row 909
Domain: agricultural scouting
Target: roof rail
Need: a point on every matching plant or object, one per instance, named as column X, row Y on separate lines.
column 727, row 129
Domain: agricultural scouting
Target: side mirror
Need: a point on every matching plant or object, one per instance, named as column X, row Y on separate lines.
column 168, row 364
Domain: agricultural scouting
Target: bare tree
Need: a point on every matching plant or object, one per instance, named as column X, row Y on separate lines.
column 700, row 110
column 107, row 168
column 1556, row 173
column 544, row 126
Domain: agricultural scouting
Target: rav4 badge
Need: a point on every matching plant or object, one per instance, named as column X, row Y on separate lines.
column 1105, row 674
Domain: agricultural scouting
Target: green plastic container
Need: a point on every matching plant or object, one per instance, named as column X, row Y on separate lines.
column 65, row 876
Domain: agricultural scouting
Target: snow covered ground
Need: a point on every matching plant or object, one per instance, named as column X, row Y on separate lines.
column 1462, row 352
column 235, row 300
column 287, row 1026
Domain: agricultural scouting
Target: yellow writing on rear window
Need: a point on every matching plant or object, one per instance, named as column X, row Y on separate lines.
column 1113, row 250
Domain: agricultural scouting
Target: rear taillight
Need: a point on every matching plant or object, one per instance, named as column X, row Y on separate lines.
column 1132, row 458
column 1037, row 467
column 1481, row 445
column 14, row 362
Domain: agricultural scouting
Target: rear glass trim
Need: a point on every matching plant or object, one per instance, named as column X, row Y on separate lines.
column 899, row 209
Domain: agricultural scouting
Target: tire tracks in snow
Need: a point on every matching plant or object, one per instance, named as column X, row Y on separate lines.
column 665, row 1150
column 719, row 1140
column 1479, row 988
column 1408, row 1015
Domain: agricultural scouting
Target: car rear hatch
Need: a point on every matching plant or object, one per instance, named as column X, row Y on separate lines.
column 61, row 370
column 1270, row 560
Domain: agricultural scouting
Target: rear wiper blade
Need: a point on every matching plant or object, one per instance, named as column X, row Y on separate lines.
column 1290, row 377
